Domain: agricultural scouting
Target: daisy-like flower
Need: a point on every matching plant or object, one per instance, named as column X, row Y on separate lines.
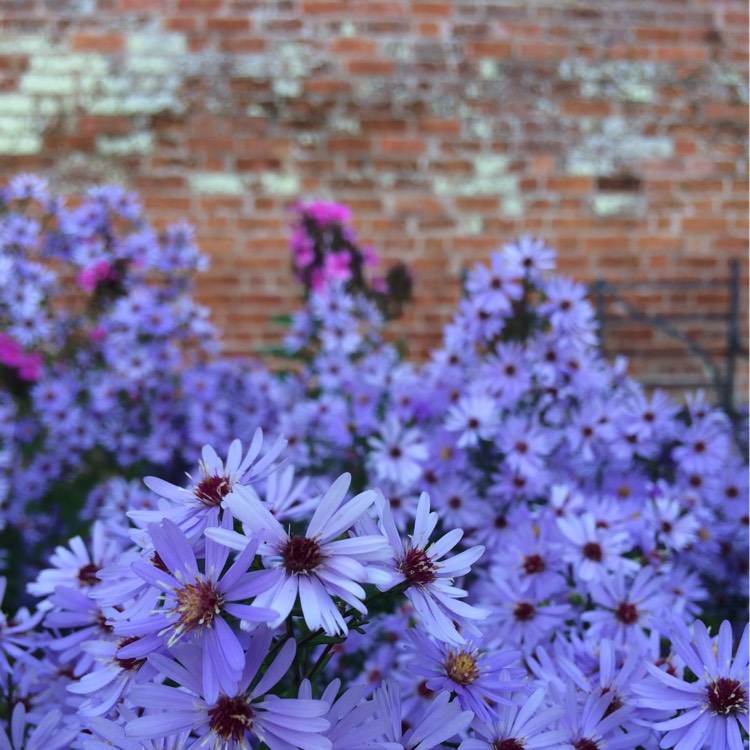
column 419, row 565
column 315, row 567
column 74, row 566
column 230, row 720
column 195, row 604
column 475, row 417
column 190, row 505
column 626, row 608
column 397, row 454
column 441, row 720
column 354, row 725
column 49, row 734
column 475, row 676
column 715, row 705
column 594, row 550
column 524, row 723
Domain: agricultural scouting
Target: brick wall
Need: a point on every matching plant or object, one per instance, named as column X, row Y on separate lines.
column 615, row 129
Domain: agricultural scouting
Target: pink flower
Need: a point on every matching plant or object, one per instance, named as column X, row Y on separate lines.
column 91, row 276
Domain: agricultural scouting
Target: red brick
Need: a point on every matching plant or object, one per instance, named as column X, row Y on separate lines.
column 108, row 43
column 403, row 145
column 441, row 10
column 229, row 25
column 371, row 67
column 494, row 48
column 542, row 51
column 354, row 46
column 586, row 108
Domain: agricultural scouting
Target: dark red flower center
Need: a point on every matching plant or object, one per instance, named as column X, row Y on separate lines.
column 230, row 718
column 129, row 663
column 87, row 574
column 524, row 611
column 211, row 490
column 509, row 744
column 461, row 667
column 627, row 613
column 726, row 696
column 585, row 744
column 417, row 567
column 301, row 554
column 197, row 605
column 534, row 564
column 592, row 551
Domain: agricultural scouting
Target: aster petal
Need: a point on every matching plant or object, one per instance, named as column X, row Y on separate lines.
column 256, row 653
column 309, row 602
column 734, row 737
column 244, row 505
column 167, row 489
column 155, row 576
column 696, row 735
column 234, row 457
column 359, row 546
column 240, row 566
column 232, row 539
column 93, row 681
column 446, row 543
column 424, row 522
column 679, row 721
column 328, row 505
column 704, row 646
column 174, row 671
column 281, row 598
column 174, row 548
column 298, row 737
column 255, row 583
column 277, row 669
column 160, row 725
column 251, row 613
column 461, row 563
column 213, row 670
column 740, row 664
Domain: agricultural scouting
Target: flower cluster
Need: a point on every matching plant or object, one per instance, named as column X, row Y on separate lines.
column 107, row 365
column 326, row 250
column 510, row 546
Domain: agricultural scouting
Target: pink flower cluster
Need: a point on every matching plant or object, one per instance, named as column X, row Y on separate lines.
column 91, row 276
column 28, row 364
column 325, row 248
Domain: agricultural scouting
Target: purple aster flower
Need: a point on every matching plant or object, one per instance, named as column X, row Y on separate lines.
column 713, row 707
column 397, row 454
column 703, row 448
column 113, row 678
column 524, row 722
column 230, row 720
column 596, row 724
column 595, row 550
column 195, row 604
column 354, row 725
column 429, row 578
column 626, row 607
column 478, row 678
column 74, row 566
column 533, row 256
column 49, row 734
column 316, row 566
column 217, row 479
column 475, row 417
column 523, row 617
column 495, row 288
column 440, row 721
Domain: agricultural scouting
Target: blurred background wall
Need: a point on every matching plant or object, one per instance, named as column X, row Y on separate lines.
column 614, row 129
